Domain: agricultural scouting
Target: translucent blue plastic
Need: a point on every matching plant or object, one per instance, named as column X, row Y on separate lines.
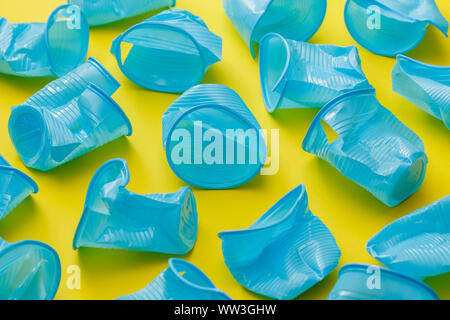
column 44, row 49
column 425, row 85
column 29, row 270
column 68, row 117
column 115, row 218
column 297, row 20
column 100, row 12
column 418, row 244
column 368, row 282
column 204, row 135
column 15, row 186
column 373, row 147
column 169, row 52
column 180, row 281
column 388, row 27
column 285, row 252
column 302, row 75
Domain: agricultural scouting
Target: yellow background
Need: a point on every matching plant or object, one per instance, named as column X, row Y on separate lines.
column 352, row 214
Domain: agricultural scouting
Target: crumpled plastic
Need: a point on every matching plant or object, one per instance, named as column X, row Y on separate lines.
column 100, row 12
column 206, row 113
column 69, row 117
column 116, row 218
column 388, row 27
column 417, row 245
column 369, row 282
column 285, row 252
column 49, row 49
column 302, row 75
column 169, row 52
column 297, row 20
column 180, row 281
column 425, row 85
column 29, row 270
column 15, row 186
column 373, row 147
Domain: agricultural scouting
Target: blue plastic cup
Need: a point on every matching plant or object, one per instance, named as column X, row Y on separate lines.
column 115, row 218
column 388, row 27
column 211, row 138
column 100, row 12
column 369, row 282
column 180, row 281
column 418, row 244
column 298, row 20
column 285, row 252
column 15, row 186
column 169, row 52
column 29, row 270
column 425, row 85
column 49, row 49
column 302, row 75
column 68, row 118
column 372, row 148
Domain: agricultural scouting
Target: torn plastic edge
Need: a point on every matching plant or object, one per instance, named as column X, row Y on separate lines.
column 329, row 105
column 316, row 121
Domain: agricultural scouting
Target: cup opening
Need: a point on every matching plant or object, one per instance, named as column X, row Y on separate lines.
column 190, row 274
column 294, row 200
column 389, row 35
column 161, row 57
column 40, row 271
column 27, row 131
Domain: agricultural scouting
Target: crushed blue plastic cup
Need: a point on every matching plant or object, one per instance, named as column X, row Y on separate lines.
column 69, row 117
column 29, row 270
column 116, row 218
column 298, row 74
column 49, row 49
column 285, row 252
column 417, row 245
column 15, row 186
column 425, row 85
column 368, row 282
column 388, row 27
column 297, row 20
column 101, row 12
column 373, row 147
column 180, row 281
column 169, row 52
column 206, row 112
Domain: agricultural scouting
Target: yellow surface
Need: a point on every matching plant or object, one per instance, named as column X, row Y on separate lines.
column 352, row 214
